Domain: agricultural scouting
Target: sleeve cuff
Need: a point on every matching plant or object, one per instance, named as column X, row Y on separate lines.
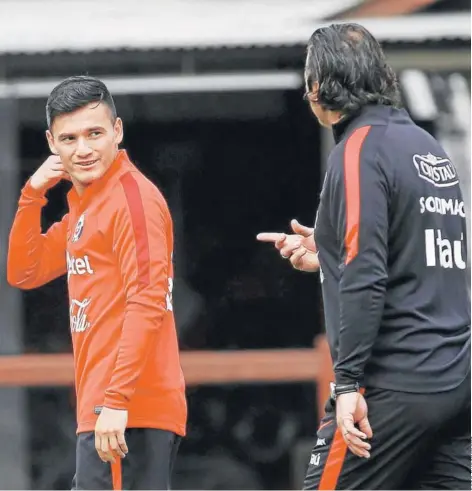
column 115, row 401
column 31, row 194
column 343, row 378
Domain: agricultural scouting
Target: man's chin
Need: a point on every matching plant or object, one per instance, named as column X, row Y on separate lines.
column 85, row 179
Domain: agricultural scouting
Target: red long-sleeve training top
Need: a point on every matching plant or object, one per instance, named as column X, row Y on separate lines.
column 115, row 245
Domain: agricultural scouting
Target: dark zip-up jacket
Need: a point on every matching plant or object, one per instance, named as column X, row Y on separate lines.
column 391, row 234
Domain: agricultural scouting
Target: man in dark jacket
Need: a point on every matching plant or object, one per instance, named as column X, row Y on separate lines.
column 391, row 244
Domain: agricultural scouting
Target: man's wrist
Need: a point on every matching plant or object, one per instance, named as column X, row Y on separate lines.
column 338, row 389
column 346, row 382
column 32, row 193
column 115, row 401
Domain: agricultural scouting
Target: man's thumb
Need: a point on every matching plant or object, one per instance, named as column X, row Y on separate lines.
column 300, row 229
column 365, row 427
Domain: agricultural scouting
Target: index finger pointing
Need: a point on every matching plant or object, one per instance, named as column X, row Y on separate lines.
column 269, row 236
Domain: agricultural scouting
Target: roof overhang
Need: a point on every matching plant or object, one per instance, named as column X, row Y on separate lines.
column 33, row 27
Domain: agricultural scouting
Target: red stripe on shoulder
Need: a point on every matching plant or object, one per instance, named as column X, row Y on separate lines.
column 352, row 163
column 138, row 220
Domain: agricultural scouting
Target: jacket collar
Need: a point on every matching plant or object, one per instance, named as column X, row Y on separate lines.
column 120, row 164
column 368, row 115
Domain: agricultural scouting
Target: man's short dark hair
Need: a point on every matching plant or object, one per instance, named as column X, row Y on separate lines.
column 76, row 92
column 350, row 67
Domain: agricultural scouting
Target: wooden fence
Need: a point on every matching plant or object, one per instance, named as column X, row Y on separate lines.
column 199, row 367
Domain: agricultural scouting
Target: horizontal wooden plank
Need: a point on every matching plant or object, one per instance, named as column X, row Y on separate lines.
column 199, row 367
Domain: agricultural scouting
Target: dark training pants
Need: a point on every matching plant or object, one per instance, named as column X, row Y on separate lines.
column 148, row 465
column 421, row 441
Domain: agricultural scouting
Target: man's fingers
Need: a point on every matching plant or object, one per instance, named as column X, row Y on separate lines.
column 98, row 447
column 297, row 257
column 56, row 166
column 356, row 445
column 359, row 451
column 280, row 242
column 365, row 427
column 115, row 446
column 357, row 442
column 300, row 229
column 354, row 438
column 122, row 444
column 348, row 427
column 98, row 443
column 106, row 453
column 60, row 174
column 54, row 160
column 269, row 236
column 290, row 248
column 110, row 445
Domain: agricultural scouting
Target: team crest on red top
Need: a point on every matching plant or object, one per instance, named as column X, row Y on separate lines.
column 78, row 228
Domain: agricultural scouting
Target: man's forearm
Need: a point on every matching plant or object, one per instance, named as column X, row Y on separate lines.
column 361, row 313
column 26, row 242
column 139, row 335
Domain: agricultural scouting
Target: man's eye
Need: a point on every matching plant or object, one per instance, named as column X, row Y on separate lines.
column 68, row 139
column 95, row 133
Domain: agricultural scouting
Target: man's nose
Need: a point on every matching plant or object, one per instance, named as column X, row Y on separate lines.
column 82, row 150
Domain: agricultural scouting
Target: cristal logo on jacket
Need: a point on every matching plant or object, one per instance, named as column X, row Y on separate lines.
column 438, row 171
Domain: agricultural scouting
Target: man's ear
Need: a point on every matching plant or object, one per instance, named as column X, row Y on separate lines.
column 118, row 129
column 315, row 89
column 50, row 140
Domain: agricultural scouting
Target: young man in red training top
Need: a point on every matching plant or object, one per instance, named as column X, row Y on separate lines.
column 115, row 245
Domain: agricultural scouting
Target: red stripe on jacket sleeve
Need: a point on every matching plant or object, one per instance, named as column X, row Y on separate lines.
column 138, row 220
column 352, row 164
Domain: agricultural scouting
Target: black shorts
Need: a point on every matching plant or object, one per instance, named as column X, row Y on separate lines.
column 420, row 441
column 148, row 465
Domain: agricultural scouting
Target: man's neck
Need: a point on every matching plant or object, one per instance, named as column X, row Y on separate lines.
column 79, row 188
column 333, row 117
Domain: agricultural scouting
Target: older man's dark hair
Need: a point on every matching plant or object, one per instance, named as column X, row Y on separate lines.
column 76, row 92
column 350, row 67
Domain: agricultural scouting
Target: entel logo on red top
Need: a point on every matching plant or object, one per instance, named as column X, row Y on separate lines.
column 78, row 266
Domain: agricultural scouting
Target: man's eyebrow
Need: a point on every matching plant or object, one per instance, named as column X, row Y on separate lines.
column 87, row 130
